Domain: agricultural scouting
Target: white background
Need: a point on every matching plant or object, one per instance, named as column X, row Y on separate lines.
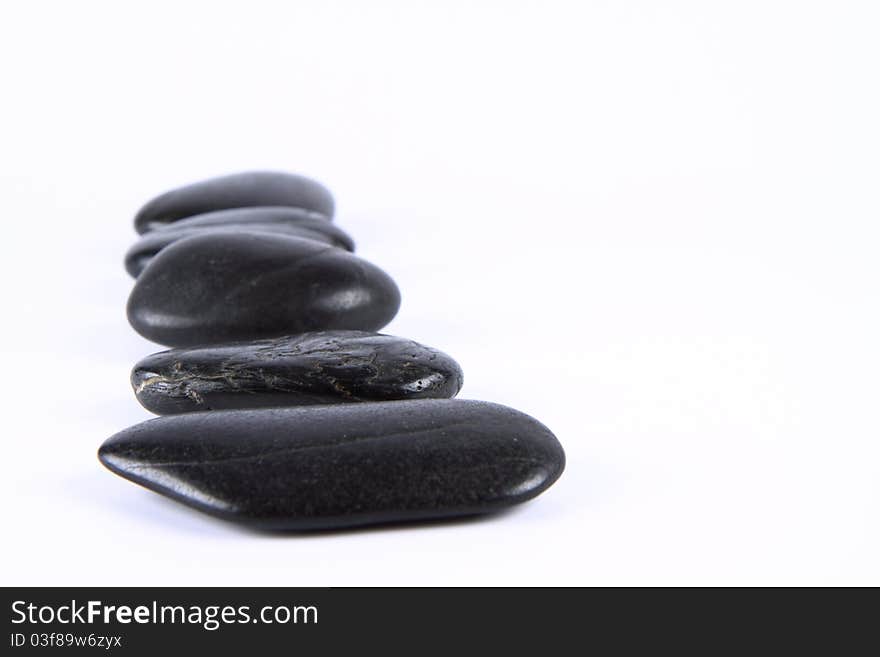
column 653, row 226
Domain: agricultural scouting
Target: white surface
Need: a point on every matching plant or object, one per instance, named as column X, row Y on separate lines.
column 654, row 229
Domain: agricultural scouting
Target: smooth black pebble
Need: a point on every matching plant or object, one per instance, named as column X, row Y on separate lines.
column 221, row 287
column 324, row 467
column 235, row 191
column 293, row 222
column 327, row 367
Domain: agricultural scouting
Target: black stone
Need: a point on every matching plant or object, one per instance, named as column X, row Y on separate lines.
column 328, row 367
column 257, row 214
column 235, row 191
column 342, row 465
column 221, row 287
column 293, row 222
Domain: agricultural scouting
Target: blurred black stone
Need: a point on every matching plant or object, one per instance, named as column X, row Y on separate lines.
column 221, row 287
column 235, row 191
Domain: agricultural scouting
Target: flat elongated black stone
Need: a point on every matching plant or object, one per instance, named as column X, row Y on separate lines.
column 293, row 222
column 327, row 367
column 222, row 287
column 342, row 465
column 235, row 191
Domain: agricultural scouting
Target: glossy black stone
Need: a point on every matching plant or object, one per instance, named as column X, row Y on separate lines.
column 221, row 287
column 235, row 191
column 345, row 465
column 327, row 367
column 293, row 222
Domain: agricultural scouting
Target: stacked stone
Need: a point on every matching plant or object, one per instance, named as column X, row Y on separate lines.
column 283, row 408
